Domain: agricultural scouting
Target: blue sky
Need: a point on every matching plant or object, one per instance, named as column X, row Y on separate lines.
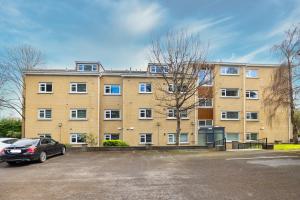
column 119, row 33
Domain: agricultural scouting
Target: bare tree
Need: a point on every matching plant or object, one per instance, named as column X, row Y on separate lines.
column 13, row 65
column 180, row 59
column 285, row 86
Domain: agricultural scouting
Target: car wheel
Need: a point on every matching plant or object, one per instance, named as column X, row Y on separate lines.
column 11, row 162
column 63, row 150
column 43, row 157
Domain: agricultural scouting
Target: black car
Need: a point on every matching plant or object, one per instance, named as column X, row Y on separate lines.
column 32, row 149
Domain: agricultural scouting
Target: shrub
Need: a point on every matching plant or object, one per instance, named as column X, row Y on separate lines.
column 115, row 143
column 91, row 140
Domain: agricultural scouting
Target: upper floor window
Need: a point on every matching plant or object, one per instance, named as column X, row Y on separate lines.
column 78, row 114
column 230, row 92
column 145, row 113
column 252, row 116
column 205, row 122
column 251, row 136
column 87, row 67
column 145, row 88
column 172, row 88
column 230, row 115
column 44, row 114
column 205, row 77
column 229, row 70
column 112, row 114
column 172, row 114
column 45, row 88
column 205, row 103
column 112, row 89
column 252, row 73
column 252, row 94
column 78, row 88
column 159, row 69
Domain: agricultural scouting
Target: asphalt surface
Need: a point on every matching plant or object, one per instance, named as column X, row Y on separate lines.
column 156, row 175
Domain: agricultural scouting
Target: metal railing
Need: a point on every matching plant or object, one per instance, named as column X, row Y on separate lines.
column 221, row 142
column 255, row 144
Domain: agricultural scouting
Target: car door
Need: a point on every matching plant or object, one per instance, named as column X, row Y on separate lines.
column 56, row 147
column 46, row 146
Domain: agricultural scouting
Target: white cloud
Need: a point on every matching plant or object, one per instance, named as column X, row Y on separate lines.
column 251, row 56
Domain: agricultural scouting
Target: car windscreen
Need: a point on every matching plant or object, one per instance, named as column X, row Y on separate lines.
column 26, row 142
column 9, row 141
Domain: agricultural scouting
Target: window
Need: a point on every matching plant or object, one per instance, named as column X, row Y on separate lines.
column 251, row 136
column 232, row 137
column 146, row 138
column 78, row 88
column 229, row 92
column 78, row 114
column 111, row 136
column 145, row 88
column 87, row 67
column 44, row 114
column 252, row 73
column 172, row 88
column 45, row 88
column 112, row 114
column 205, row 103
column 183, row 138
column 145, row 113
column 205, row 77
column 230, row 115
column 252, row 94
column 44, row 135
column 112, row 89
column 172, row 114
column 205, row 122
column 229, row 71
column 252, row 116
column 159, row 69
column 77, row 138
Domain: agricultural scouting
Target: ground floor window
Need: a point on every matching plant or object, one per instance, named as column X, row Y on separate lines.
column 77, row 138
column 232, row 137
column 183, row 138
column 44, row 135
column 111, row 136
column 251, row 136
column 146, row 138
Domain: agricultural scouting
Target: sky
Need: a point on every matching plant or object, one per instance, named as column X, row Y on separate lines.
column 119, row 33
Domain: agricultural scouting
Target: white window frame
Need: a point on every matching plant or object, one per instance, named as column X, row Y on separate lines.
column 227, row 140
column 76, row 111
column 205, row 120
column 247, row 75
column 226, row 119
column 81, row 67
column 145, row 136
column 76, row 85
column 225, row 90
column 44, row 110
column 145, row 111
column 250, row 133
column 109, row 111
column 206, row 106
column 110, row 93
column 174, row 116
column 76, row 136
column 248, row 92
column 227, row 74
column 145, row 86
column 153, row 69
column 45, row 85
column 250, row 119
column 173, row 135
column 107, row 136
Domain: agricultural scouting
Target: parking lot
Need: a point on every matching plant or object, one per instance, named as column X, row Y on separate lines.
column 156, row 175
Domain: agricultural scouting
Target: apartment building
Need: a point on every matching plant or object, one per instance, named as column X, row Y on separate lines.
column 111, row 104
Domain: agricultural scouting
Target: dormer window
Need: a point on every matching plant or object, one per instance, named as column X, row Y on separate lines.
column 155, row 69
column 87, row 67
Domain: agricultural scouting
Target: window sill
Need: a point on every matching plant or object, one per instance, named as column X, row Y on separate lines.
column 79, row 119
column 45, row 92
column 173, row 118
column 112, row 94
column 145, row 92
column 45, row 119
column 237, row 97
column 252, row 120
column 252, row 98
column 119, row 119
column 78, row 93
column 230, row 119
column 229, row 74
column 146, row 143
column 205, row 107
column 252, row 77
column 145, row 118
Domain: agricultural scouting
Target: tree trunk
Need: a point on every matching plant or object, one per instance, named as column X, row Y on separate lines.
column 178, row 129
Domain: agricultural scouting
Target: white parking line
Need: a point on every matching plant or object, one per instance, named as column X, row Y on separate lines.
column 262, row 157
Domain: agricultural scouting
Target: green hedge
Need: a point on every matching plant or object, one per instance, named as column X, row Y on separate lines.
column 115, row 143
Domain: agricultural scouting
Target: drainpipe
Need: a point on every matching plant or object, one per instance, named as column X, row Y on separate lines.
column 98, row 110
column 244, row 102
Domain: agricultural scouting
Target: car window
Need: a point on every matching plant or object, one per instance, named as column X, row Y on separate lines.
column 45, row 141
column 26, row 142
column 10, row 141
column 53, row 141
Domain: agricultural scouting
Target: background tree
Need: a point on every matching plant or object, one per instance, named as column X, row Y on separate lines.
column 180, row 59
column 285, row 87
column 15, row 61
column 10, row 128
